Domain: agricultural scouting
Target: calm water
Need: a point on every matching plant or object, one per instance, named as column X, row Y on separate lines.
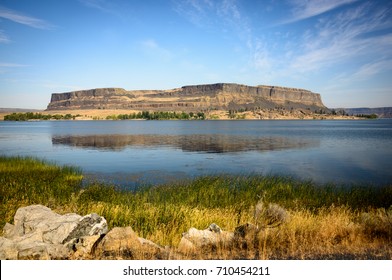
column 133, row 152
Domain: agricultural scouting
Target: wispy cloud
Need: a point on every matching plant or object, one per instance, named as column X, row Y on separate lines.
column 344, row 36
column 4, row 38
column 6, row 64
column 224, row 16
column 54, row 86
column 24, row 19
column 363, row 73
column 373, row 68
column 151, row 47
column 104, row 6
column 195, row 11
column 303, row 9
column 213, row 14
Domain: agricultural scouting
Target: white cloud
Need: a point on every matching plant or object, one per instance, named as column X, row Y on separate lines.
column 152, row 48
column 226, row 15
column 101, row 5
column 150, row 44
column 342, row 37
column 303, row 9
column 195, row 11
column 56, row 87
column 24, row 19
column 364, row 73
column 371, row 69
column 4, row 38
column 6, row 64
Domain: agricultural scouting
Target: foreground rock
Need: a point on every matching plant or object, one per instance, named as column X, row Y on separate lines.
column 40, row 233
column 123, row 243
column 210, row 238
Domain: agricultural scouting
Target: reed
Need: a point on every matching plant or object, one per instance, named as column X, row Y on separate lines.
column 322, row 220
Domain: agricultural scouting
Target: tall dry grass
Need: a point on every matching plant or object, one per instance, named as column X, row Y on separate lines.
column 295, row 219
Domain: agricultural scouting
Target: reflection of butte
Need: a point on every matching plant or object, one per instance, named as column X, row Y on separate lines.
column 215, row 143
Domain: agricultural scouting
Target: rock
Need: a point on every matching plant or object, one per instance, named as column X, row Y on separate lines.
column 88, row 225
column 123, row 243
column 33, row 251
column 148, row 243
column 42, row 251
column 222, row 96
column 212, row 237
column 8, row 250
column 214, row 228
column 83, row 247
column 40, row 233
column 120, row 241
column 270, row 215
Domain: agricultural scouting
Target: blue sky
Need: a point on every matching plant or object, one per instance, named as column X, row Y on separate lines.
column 341, row 49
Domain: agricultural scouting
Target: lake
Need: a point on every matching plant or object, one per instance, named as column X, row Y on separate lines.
column 137, row 152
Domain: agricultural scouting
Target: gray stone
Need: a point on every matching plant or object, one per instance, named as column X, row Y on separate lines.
column 8, row 250
column 211, row 237
column 40, row 233
column 83, row 247
column 42, row 251
column 88, row 225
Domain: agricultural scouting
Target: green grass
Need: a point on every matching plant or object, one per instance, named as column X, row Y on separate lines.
column 25, row 181
column 162, row 213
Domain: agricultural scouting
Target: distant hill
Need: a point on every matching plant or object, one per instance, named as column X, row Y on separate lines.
column 18, row 110
column 381, row 112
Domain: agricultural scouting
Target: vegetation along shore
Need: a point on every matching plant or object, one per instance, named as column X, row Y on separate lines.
column 242, row 114
column 309, row 221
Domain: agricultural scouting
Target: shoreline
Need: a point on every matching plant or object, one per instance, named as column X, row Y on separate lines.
column 276, row 114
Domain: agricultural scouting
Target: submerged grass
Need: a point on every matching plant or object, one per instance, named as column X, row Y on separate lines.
column 324, row 220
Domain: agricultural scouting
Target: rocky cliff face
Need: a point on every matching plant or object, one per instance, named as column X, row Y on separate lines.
column 222, row 96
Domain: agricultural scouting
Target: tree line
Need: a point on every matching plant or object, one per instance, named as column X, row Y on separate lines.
column 38, row 116
column 146, row 115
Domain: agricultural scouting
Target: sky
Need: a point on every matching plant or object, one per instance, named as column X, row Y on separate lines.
column 341, row 49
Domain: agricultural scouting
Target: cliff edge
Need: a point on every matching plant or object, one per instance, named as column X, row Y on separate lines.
column 221, row 96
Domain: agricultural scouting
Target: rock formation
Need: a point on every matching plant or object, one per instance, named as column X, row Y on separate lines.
column 221, row 96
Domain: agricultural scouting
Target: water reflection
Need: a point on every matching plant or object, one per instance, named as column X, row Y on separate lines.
column 211, row 143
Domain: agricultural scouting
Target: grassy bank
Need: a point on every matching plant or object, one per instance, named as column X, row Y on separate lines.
column 323, row 220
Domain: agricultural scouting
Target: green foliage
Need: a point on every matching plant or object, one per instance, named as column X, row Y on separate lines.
column 37, row 116
column 145, row 115
column 371, row 116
